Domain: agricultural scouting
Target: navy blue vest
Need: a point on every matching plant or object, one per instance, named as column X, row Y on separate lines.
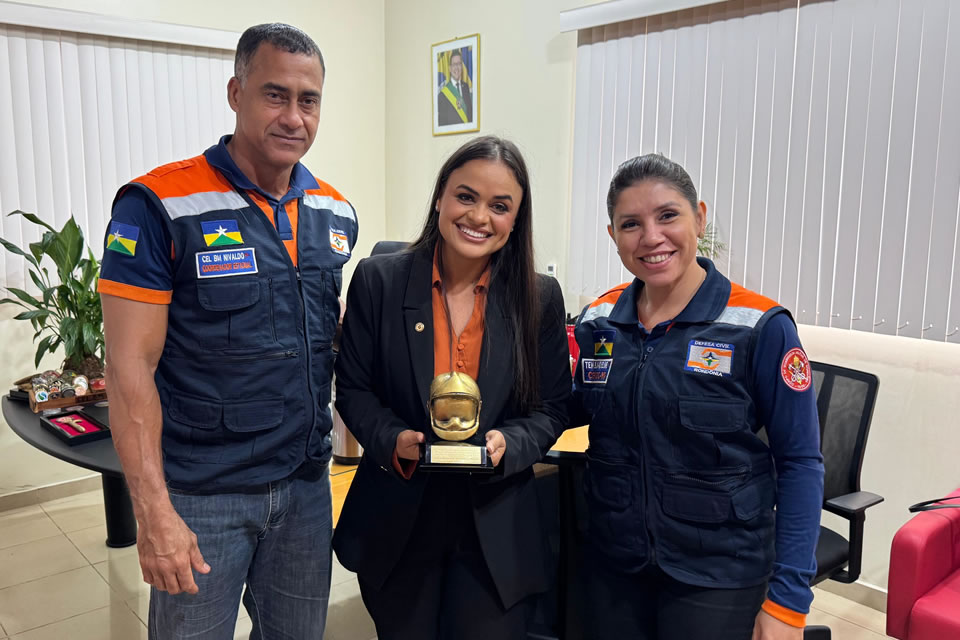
column 677, row 475
column 244, row 379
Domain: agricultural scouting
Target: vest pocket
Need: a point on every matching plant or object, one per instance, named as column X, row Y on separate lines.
column 221, row 432
column 711, row 428
column 240, row 315
column 615, row 507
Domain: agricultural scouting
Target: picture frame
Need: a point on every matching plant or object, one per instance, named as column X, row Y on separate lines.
column 75, row 427
column 455, row 85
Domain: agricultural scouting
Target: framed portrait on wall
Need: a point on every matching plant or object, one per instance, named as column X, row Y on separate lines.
column 456, row 85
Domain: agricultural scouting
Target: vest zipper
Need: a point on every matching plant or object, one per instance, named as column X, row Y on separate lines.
column 704, row 479
column 652, row 557
column 277, row 355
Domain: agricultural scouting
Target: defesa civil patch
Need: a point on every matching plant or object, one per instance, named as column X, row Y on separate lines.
column 226, row 262
column 596, row 371
column 712, row 358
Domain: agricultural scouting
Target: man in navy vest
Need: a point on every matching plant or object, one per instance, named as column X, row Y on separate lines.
column 220, row 283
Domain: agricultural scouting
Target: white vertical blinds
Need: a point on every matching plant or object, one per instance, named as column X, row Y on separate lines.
column 823, row 136
column 80, row 115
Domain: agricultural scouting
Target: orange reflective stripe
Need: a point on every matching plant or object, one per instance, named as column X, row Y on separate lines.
column 324, row 189
column 293, row 210
column 740, row 297
column 131, row 292
column 611, row 296
column 196, row 176
column 781, row 613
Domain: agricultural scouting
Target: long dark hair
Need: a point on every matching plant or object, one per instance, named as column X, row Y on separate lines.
column 513, row 281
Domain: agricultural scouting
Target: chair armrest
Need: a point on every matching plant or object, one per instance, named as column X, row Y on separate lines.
column 852, row 504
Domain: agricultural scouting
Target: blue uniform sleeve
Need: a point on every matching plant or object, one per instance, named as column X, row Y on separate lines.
column 137, row 258
column 787, row 406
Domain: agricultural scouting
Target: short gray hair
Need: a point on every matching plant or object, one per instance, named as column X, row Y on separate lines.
column 282, row 36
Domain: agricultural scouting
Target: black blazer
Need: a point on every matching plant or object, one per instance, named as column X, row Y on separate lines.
column 383, row 377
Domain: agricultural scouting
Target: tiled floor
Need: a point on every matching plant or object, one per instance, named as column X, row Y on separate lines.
column 58, row 579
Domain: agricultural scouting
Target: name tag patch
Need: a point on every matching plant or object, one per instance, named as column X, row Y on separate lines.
column 712, row 358
column 339, row 242
column 596, row 371
column 227, row 262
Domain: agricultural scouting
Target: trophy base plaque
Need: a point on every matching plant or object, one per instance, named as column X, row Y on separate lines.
column 454, row 457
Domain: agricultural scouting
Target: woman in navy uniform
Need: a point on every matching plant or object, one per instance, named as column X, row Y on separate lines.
column 453, row 555
column 679, row 370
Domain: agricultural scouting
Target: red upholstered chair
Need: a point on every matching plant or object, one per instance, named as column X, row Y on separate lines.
column 923, row 597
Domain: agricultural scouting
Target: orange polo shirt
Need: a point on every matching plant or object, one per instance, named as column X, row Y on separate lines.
column 453, row 353
column 461, row 353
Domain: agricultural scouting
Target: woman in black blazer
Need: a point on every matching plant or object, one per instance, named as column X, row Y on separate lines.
column 453, row 555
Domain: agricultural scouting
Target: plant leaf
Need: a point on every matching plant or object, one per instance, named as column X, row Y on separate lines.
column 12, row 248
column 32, row 218
column 30, row 315
column 42, row 348
column 26, row 297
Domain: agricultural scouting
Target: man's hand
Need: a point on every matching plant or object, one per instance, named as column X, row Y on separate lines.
column 408, row 444
column 769, row 628
column 168, row 551
column 496, row 446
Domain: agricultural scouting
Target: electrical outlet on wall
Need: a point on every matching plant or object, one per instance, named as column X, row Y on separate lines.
column 552, row 270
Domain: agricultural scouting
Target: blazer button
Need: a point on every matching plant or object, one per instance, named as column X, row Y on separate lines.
column 419, row 327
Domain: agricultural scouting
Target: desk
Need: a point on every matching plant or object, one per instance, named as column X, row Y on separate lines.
column 568, row 454
column 97, row 456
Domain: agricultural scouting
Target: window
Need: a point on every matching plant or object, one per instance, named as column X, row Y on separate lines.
column 822, row 136
column 81, row 114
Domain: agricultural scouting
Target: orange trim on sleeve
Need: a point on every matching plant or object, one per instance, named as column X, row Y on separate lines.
column 741, row 297
column 131, row 292
column 788, row 616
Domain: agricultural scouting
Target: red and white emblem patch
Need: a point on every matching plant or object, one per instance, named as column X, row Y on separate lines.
column 795, row 370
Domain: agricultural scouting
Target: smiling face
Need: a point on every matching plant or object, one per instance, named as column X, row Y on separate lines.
column 478, row 208
column 277, row 107
column 456, row 67
column 655, row 230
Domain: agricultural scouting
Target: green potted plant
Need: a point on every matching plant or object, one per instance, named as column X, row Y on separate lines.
column 66, row 310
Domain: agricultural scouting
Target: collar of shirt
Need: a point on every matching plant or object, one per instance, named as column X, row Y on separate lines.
column 482, row 284
column 707, row 303
column 218, row 156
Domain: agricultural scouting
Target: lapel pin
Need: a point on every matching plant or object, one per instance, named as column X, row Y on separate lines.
column 418, row 327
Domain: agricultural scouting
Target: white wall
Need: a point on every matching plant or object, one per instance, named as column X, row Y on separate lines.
column 914, row 440
column 526, row 94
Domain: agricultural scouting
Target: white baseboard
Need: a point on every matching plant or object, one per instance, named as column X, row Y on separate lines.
column 869, row 595
column 38, row 495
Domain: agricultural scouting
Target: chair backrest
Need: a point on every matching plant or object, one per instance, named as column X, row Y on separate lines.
column 845, row 401
column 388, row 246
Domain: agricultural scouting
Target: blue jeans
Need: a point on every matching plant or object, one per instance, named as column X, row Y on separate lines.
column 276, row 540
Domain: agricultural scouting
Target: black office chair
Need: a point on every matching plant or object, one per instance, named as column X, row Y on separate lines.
column 845, row 401
column 388, row 246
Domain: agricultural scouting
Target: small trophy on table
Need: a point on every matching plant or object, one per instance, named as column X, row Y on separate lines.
column 454, row 416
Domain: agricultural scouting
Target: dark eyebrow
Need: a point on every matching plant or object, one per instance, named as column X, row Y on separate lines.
column 668, row 205
column 279, row 88
column 477, row 193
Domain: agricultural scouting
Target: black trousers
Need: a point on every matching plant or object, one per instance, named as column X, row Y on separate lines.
column 441, row 588
column 651, row 605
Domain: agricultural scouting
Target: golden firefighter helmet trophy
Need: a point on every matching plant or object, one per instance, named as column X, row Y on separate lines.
column 455, row 417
